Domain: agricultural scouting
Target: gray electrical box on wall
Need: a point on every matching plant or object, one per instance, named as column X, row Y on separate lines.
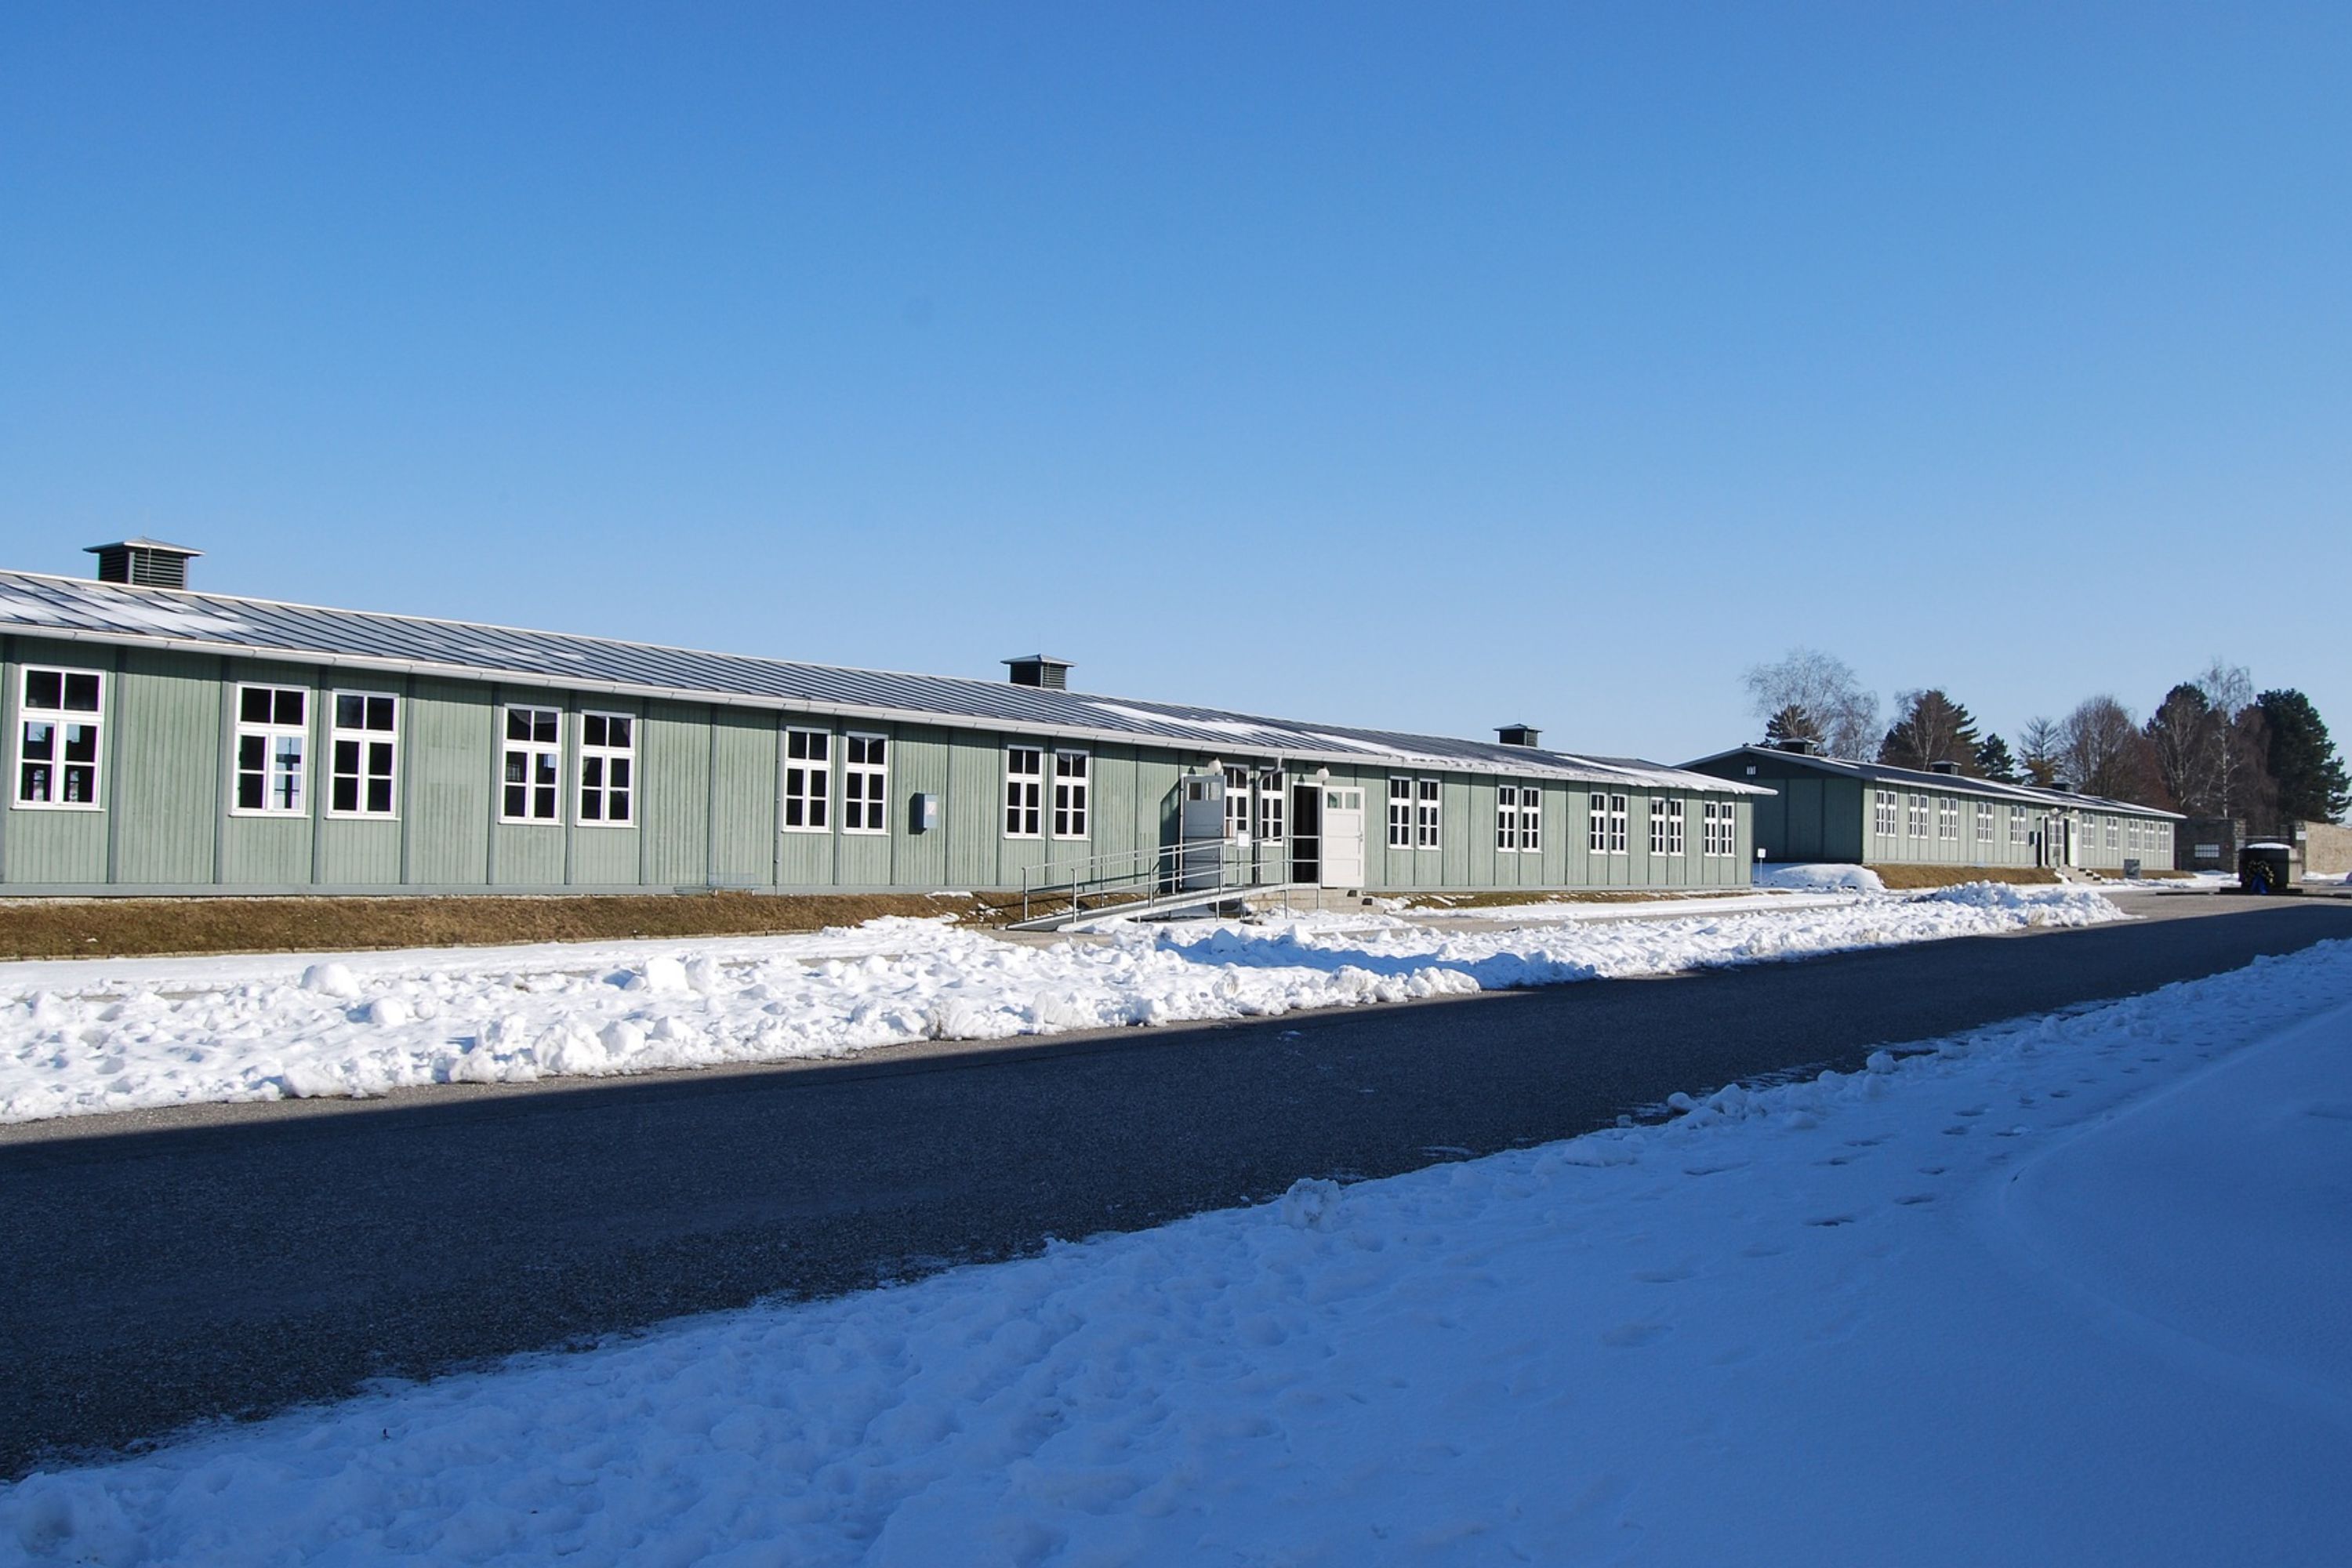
column 923, row 814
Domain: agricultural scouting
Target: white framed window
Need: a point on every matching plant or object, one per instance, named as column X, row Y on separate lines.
column 1237, row 803
column 1270, row 803
column 865, row 783
column 1596, row 836
column 1400, row 813
column 2115, row 832
column 1024, row 790
column 273, row 740
column 1719, row 828
column 608, row 770
column 1507, row 818
column 1530, row 819
column 1984, row 823
column 1916, row 819
column 1427, row 801
column 364, row 755
column 1883, row 819
column 2017, row 828
column 531, row 777
column 1617, row 815
column 59, row 715
column 808, row 781
column 1070, row 795
column 1948, row 818
column 1666, row 826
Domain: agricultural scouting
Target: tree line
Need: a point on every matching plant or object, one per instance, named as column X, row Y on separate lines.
column 2212, row 747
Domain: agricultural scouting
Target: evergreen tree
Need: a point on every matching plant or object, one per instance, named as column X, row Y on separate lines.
column 1791, row 724
column 2304, row 765
column 2040, row 739
column 1933, row 729
column 1993, row 760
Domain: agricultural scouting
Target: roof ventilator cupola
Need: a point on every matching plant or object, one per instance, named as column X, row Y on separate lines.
column 1946, row 766
column 1518, row 734
column 1040, row 670
column 1803, row 746
column 143, row 562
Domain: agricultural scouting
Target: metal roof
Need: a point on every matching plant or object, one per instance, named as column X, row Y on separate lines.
column 1918, row 778
column 115, row 613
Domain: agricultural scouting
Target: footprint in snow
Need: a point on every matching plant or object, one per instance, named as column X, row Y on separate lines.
column 1916, row 1198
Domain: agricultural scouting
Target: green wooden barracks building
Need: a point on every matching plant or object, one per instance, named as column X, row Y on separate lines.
column 166, row 740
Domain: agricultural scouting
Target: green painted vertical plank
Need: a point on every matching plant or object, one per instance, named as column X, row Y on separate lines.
column 167, row 777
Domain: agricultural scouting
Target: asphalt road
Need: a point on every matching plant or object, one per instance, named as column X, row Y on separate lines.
column 162, row 1269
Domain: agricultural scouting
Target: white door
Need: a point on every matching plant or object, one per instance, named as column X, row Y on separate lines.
column 1343, row 838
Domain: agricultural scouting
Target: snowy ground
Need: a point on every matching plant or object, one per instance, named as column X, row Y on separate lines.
column 2065, row 1290
column 84, row 1036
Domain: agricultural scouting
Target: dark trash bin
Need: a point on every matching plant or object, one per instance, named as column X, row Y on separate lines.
column 2265, row 869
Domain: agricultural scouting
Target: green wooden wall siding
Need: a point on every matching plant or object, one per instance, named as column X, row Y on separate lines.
column 707, row 786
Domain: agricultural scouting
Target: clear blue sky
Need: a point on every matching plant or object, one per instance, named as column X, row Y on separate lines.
column 1429, row 367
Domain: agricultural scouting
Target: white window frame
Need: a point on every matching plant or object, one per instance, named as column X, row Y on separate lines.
column 1666, row 826
column 1916, row 821
column 1399, row 812
column 865, row 783
column 2019, row 833
column 614, row 766
column 365, row 740
column 814, row 763
column 59, row 719
column 533, row 751
column 1268, row 823
column 1984, row 822
column 2115, row 832
column 1025, row 791
column 1618, row 814
column 1720, row 829
column 1947, row 820
column 1530, row 819
column 1428, row 814
column 1238, row 802
column 1506, row 819
column 1073, row 794
column 1596, row 832
column 271, row 733
column 1885, row 819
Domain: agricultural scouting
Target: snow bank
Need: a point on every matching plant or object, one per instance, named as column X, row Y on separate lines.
column 76, row 1039
column 1820, row 878
column 1931, row 1312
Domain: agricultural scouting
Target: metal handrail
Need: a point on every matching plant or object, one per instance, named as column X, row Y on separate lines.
column 1240, row 864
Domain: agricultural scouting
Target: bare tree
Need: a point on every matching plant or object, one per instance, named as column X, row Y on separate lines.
column 2239, row 759
column 2100, row 750
column 1827, row 689
column 2191, row 741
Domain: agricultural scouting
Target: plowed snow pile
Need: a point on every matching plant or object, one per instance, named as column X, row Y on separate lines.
column 83, row 1037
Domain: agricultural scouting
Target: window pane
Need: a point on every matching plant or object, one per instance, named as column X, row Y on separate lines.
column 517, row 769
column 288, row 706
column 379, row 795
column 347, row 757
column 44, row 689
column 542, row 767
column 81, row 693
column 253, row 705
column 81, row 784
column 591, row 729
column 544, row 726
column 33, row 783
column 619, row 812
column 542, row 802
column 250, row 791
column 380, row 714
column 344, row 794
column 350, row 710
column 40, row 741
column 816, row 811
column 620, row 773
column 592, row 805
column 592, row 772
column 620, row 731
column 518, row 724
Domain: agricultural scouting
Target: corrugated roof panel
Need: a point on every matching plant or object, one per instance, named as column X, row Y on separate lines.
column 35, row 603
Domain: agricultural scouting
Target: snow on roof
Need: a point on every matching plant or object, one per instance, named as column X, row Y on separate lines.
column 78, row 608
column 1961, row 784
